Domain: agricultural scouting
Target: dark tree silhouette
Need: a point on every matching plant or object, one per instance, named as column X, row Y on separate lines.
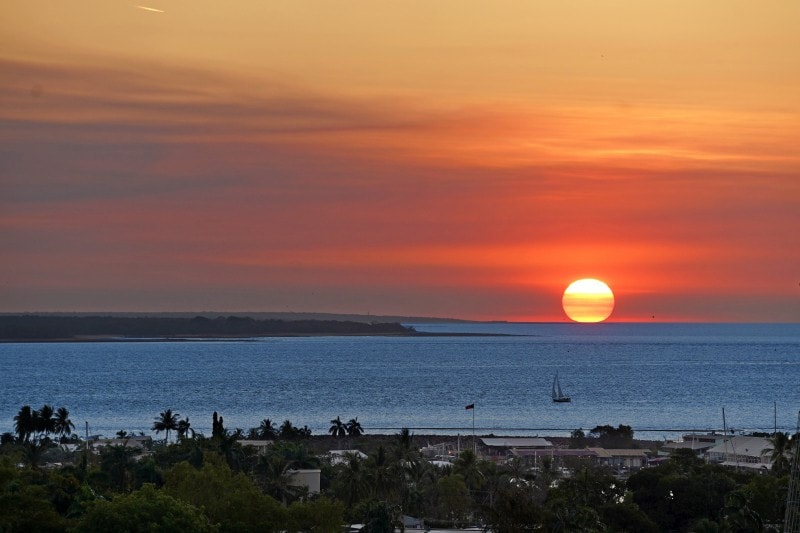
column 338, row 428
column 779, row 453
column 354, row 428
column 24, row 423
column 63, row 425
column 290, row 432
column 166, row 421
column 217, row 427
column 45, row 423
column 267, row 430
column 184, row 429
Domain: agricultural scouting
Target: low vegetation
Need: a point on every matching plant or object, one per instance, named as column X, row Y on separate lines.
column 193, row 482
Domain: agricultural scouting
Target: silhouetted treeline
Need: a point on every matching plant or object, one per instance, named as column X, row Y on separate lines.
column 31, row 327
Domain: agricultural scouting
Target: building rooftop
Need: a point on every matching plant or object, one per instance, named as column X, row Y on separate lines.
column 619, row 452
column 516, row 442
column 743, row 445
column 557, row 452
column 698, row 446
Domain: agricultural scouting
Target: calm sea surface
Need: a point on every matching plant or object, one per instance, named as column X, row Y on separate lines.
column 654, row 377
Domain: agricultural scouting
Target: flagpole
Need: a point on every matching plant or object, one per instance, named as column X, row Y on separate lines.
column 472, row 408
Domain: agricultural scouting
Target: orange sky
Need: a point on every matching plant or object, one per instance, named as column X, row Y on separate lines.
column 451, row 158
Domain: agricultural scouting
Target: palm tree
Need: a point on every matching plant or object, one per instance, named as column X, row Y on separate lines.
column 404, row 449
column 166, row 421
column 45, row 423
column 338, row 428
column 353, row 480
column 288, row 431
column 468, row 466
column 267, row 430
column 780, row 453
column 380, row 473
column 413, row 478
column 184, row 428
column 276, row 477
column 353, row 427
column 63, row 425
column 24, row 423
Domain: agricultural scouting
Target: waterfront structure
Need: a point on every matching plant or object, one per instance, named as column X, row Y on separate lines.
column 502, row 447
column 742, row 452
column 699, row 443
column 620, row 459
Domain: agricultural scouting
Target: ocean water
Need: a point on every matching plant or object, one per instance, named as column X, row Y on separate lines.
column 660, row 379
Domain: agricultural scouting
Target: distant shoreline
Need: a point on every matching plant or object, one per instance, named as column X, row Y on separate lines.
column 105, row 328
column 243, row 338
column 256, row 315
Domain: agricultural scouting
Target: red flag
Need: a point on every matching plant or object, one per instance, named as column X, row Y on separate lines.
column 470, row 406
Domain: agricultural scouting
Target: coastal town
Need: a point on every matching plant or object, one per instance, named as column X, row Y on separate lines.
column 283, row 478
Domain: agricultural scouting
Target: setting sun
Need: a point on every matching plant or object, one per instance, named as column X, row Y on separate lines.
column 588, row 300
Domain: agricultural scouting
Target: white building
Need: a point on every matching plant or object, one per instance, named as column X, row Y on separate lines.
column 308, row 478
column 260, row 446
column 742, row 452
column 699, row 443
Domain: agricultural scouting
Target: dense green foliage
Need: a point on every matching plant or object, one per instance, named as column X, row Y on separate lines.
column 215, row 483
column 146, row 510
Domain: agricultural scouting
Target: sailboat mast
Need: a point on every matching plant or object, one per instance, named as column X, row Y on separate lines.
column 558, row 394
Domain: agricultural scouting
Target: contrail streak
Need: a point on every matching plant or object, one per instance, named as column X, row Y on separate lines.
column 154, row 10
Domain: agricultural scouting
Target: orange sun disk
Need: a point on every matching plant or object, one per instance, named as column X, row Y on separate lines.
column 588, row 300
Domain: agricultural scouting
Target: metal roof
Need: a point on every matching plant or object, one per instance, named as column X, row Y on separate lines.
column 516, row 442
column 619, row 452
column 562, row 452
column 744, row 445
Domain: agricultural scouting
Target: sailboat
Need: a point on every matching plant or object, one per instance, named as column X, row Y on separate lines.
column 558, row 394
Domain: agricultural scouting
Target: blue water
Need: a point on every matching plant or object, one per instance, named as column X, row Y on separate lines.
column 653, row 377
